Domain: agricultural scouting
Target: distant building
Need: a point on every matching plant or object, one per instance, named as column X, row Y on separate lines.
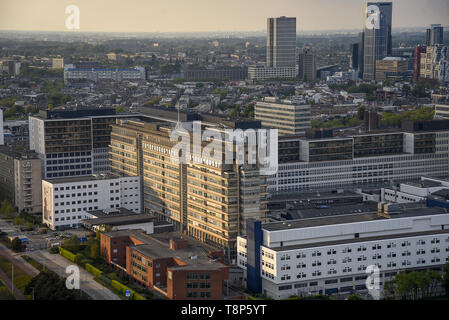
column 57, row 63
column 307, row 64
column 391, row 68
column 97, row 74
column 434, row 35
column 289, row 117
column 66, row 202
column 11, row 67
column 418, row 51
column 442, row 111
column 20, row 178
column 281, row 42
column 372, row 119
column 232, row 74
column 354, row 50
column 435, row 63
column 262, row 73
column 2, row 129
column 377, row 38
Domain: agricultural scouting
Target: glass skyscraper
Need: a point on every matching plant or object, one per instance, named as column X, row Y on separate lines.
column 377, row 36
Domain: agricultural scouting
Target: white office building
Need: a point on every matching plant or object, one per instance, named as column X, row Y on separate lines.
column 330, row 255
column 261, row 73
column 71, row 72
column 67, row 201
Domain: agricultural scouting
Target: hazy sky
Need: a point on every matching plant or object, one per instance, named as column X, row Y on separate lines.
column 209, row 15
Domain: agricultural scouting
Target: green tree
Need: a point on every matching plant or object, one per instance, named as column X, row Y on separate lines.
column 446, row 278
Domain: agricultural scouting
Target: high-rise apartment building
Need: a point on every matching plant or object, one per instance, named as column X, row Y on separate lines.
column 209, row 200
column 377, row 36
column 281, row 42
column 434, row 35
column 354, row 50
column 289, row 117
column 435, row 63
column 72, row 142
column 417, row 62
column 20, row 178
column 307, row 64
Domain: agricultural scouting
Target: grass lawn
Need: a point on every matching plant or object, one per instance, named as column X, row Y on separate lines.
column 34, row 263
column 21, row 279
column 5, row 294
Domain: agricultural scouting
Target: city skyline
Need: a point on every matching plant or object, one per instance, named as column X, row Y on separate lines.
column 203, row 16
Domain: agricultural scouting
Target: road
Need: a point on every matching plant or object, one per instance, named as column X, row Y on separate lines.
column 58, row 264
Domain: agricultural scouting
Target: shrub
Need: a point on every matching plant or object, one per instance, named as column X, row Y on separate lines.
column 90, row 268
column 67, row 254
column 54, row 250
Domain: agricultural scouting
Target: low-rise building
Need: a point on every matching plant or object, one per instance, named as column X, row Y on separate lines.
column 68, row 201
column 260, row 73
column 119, row 219
column 172, row 264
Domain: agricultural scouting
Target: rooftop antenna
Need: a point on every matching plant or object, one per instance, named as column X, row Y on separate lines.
column 178, row 123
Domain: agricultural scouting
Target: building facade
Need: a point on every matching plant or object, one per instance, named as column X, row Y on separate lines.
column 208, row 200
column 20, row 179
column 435, row 63
column 72, row 73
column 281, row 42
column 67, row 201
column 287, row 116
column 307, row 64
column 434, row 35
column 391, row 68
column 377, row 36
column 72, row 142
column 330, row 255
column 420, row 148
column 175, row 266
column 261, row 73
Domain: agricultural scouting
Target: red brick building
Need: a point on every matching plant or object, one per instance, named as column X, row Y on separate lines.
column 175, row 265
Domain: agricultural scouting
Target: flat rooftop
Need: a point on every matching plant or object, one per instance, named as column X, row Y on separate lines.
column 356, row 240
column 298, row 196
column 419, row 210
column 85, row 178
column 156, row 246
column 119, row 220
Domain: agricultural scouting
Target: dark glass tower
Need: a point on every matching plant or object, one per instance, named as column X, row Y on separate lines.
column 377, row 40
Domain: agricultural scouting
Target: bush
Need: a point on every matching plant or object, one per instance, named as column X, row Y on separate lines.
column 67, row 254
column 122, row 289
column 90, row 268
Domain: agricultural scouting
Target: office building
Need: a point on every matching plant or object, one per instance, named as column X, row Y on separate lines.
column 377, row 36
column 307, row 64
column 72, row 142
column 172, row 264
column 375, row 158
column 281, row 42
column 231, row 74
column 434, row 35
column 435, row 63
column 418, row 51
column 57, row 63
column 354, row 50
column 72, row 73
column 261, row 73
column 391, row 68
column 441, row 111
column 361, row 54
column 68, row 201
column 330, row 255
column 11, row 67
column 289, row 117
column 208, row 200
column 20, row 179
